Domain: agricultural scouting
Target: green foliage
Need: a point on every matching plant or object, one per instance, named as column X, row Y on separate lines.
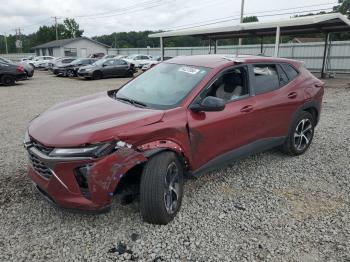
column 250, row 19
column 71, row 28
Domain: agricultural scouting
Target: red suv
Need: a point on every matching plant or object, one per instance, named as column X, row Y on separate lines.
column 185, row 116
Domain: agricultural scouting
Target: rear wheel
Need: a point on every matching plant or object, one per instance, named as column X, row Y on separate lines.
column 129, row 73
column 8, row 80
column 300, row 135
column 97, row 75
column 161, row 188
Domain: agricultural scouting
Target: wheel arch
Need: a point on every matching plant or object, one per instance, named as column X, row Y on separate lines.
column 311, row 107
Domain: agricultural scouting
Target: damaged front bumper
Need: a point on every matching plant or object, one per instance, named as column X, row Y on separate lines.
column 80, row 183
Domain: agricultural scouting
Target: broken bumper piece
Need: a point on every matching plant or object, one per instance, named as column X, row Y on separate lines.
column 80, row 183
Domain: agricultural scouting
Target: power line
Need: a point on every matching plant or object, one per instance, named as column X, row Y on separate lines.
column 120, row 9
column 128, row 11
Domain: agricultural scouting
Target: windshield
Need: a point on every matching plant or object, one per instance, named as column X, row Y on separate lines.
column 100, row 62
column 163, row 87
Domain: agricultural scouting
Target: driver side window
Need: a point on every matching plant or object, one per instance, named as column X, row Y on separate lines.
column 229, row 86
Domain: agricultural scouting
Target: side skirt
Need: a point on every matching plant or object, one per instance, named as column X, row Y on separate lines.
column 241, row 152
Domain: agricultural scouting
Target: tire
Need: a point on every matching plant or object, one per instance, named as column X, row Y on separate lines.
column 29, row 74
column 8, row 80
column 70, row 73
column 300, row 134
column 129, row 73
column 160, row 202
column 97, row 75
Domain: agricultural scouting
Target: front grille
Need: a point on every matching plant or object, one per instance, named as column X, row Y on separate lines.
column 39, row 166
column 43, row 149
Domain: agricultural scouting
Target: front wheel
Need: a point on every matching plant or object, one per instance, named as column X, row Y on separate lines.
column 97, row 75
column 300, row 135
column 70, row 73
column 161, row 188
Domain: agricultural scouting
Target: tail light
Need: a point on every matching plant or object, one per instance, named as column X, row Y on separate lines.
column 20, row 69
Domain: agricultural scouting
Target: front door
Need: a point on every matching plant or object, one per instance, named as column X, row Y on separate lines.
column 213, row 134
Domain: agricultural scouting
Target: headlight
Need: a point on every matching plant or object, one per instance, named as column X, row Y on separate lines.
column 88, row 69
column 94, row 151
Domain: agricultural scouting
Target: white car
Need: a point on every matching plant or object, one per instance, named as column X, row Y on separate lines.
column 138, row 60
column 153, row 62
column 41, row 61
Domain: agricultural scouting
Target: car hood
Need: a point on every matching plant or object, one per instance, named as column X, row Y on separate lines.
column 89, row 120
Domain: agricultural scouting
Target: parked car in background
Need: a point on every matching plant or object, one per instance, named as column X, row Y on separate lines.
column 121, row 56
column 187, row 115
column 138, row 60
column 153, row 62
column 108, row 56
column 107, row 68
column 26, row 59
column 71, row 69
column 29, row 70
column 59, row 62
column 41, row 61
column 96, row 55
column 10, row 73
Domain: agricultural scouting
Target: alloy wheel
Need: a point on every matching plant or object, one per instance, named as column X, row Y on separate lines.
column 172, row 188
column 303, row 134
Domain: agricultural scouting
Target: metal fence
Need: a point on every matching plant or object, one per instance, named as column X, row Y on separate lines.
column 310, row 53
column 16, row 57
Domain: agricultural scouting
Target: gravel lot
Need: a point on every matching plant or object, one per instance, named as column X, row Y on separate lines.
column 268, row 207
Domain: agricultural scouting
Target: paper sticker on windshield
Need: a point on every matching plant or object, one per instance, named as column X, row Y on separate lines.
column 189, row 70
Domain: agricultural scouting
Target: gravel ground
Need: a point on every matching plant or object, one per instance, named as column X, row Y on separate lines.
column 268, row 207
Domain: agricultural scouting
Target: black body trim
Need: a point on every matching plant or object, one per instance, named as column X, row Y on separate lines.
column 243, row 151
column 307, row 105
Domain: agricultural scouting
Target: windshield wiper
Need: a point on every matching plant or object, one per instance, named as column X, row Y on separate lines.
column 131, row 101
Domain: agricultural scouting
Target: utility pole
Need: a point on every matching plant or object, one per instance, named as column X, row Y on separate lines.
column 242, row 17
column 6, row 43
column 56, row 25
column 18, row 40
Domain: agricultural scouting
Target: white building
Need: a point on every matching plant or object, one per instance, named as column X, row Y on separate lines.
column 76, row 47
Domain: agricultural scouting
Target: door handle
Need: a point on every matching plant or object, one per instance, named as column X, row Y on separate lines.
column 292, row 95
column 247, row 109
column 318, row 85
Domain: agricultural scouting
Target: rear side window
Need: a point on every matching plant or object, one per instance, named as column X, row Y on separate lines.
column 266, row 78
column 290, row 71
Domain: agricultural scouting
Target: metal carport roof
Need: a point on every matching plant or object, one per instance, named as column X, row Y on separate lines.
column 325, row 23
column 334, row 22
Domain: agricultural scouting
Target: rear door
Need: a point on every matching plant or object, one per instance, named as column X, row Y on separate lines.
column 277, row 98
column 121, row 67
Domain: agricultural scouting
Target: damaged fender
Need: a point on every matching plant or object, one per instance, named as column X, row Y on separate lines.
column 156, row 147
column 104, row 175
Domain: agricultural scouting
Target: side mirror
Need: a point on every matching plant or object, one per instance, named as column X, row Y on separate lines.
column 209, row 104
column 104, row 65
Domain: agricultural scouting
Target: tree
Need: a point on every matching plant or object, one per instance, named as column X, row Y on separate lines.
column 250, row 19
column 343, row 8
column 71, row 28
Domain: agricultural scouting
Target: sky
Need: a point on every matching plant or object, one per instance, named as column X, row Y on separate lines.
column 108, row 16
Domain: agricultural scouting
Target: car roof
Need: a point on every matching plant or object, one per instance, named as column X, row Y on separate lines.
column 214, row 61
